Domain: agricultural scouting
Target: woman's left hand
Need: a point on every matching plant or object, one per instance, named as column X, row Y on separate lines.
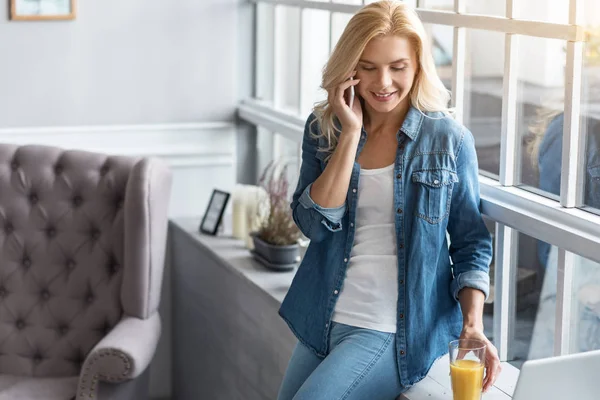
column 492, row 361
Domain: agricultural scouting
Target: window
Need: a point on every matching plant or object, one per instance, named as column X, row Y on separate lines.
column 528, row 87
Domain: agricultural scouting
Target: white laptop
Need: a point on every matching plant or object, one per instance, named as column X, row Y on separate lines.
column 571, row 377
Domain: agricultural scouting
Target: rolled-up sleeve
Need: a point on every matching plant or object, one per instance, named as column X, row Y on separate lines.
column 314, row 221
column 332, row 217
column 470, row 240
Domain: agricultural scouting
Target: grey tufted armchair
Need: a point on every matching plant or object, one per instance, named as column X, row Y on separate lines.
column 82, row 243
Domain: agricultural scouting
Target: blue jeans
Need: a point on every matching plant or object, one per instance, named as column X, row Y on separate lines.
column 361, row 364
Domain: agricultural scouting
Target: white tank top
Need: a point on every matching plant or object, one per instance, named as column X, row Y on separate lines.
column 370, row 291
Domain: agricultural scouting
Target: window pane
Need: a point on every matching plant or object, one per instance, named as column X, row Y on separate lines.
column 482, row 7
column 528, row 286
column 265, row 14
column 441, row 38
column 483, row 96
column 585, row 317
column 585, row 312
column 540, row 113
column 287, row 58
column 315, row 52
column 287, row 155
column 556, row 11
column 590, row 109
column 339, row 22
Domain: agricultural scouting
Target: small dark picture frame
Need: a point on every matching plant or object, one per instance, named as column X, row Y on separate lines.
column 214, row 212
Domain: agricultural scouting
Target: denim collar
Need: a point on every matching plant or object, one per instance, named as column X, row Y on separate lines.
column 412, row 123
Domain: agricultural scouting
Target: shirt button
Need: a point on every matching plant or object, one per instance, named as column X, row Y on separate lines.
column 436, row 182
column 327, row 325
column 401, row 352
column 399, row 176
column 401, row 281
column 335, row 292
column 345, row 260
column 401, row 246
column 399, row 211
column 401, row 316
column 351, row 224
column 401, row 147
column 353, row 190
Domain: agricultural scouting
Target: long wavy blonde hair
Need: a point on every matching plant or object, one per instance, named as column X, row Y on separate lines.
column 382, row 18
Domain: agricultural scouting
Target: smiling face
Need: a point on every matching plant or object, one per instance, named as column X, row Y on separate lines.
column 387, row 69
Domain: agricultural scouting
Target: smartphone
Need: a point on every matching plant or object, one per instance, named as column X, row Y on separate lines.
column 349, row 95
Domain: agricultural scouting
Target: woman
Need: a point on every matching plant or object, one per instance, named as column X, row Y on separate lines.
column 376, row 301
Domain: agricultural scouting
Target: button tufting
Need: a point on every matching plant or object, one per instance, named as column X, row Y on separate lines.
column 14, row 165
column 95, row 234
column 37, row 359
column 8, row 228
column 26, row 262
column 104, row 170
column 51, row 232
column 77, row 200
column 114, row 268
column 71, row 264
column 58, row 169
column 63, row 329
column 119, row 203
column 20, row 324
column 33, row 199
column 89, row 299
column 45, row 294
column 2, row 291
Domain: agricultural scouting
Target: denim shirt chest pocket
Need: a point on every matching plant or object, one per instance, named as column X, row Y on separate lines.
column 433, row 190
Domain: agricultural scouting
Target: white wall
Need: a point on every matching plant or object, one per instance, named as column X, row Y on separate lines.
column 142, row 77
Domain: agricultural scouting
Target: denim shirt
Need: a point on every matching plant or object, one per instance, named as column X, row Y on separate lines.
column 436, row 190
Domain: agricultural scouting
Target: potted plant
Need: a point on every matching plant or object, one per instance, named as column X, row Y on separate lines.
column 276, row 240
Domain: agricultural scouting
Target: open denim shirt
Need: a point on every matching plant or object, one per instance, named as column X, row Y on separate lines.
column 436, row 189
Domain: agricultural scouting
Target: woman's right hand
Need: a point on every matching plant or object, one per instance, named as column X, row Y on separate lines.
column 350, row 118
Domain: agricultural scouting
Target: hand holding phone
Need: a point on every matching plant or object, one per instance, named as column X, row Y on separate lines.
column 349, row 95
column 346, row 108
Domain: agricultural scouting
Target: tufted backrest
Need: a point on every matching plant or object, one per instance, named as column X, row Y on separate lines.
column 79, row 247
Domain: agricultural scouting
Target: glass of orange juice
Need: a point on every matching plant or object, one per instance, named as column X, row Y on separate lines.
column 467, row 363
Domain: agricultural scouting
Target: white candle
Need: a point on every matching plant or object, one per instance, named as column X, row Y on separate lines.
column 238, row 218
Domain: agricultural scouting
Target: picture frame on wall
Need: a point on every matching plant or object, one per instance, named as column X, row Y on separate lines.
column 42, row 10
column 214, row 212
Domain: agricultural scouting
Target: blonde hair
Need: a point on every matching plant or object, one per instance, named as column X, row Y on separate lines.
column 382, row 18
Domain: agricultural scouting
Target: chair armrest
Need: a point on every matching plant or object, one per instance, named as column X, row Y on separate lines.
column 121, row 355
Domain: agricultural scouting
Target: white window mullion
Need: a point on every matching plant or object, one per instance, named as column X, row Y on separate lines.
column 277, row 72
column 505, row 289
column 572, row 178
column 573, row 155
column 458, row 72
column 300, row 72
column 330, row 32
column 506, row 240
column 459, row 61
column 562, row 331
column 509, row 147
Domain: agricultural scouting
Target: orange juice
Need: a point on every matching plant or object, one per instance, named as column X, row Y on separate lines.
column 467, row 379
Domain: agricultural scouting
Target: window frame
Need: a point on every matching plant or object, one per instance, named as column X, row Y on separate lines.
column 564, row 223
